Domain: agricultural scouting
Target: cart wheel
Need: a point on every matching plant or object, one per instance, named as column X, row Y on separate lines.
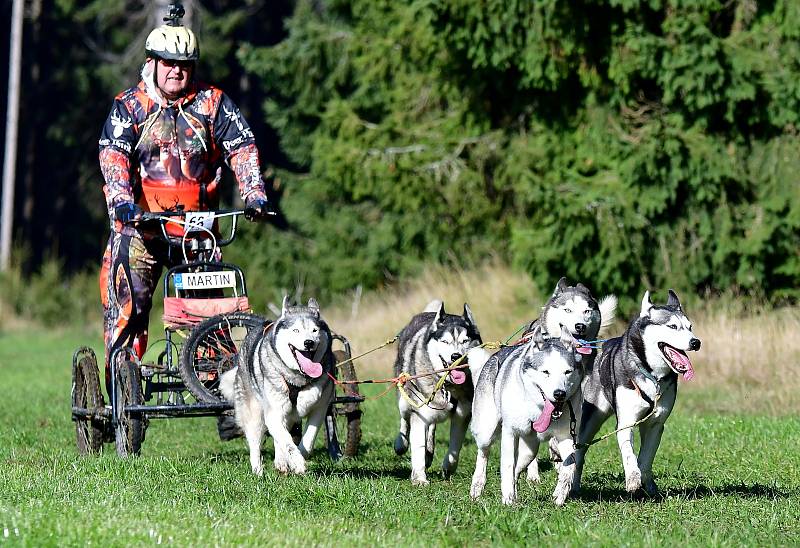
column 348, row 415
column 129, row 431
column 86, row 394
column 210, row 350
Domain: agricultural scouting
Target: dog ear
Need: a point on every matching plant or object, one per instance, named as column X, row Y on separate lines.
column 537, row 339
column 673, row 301
column 313, row 304
column 646, row 305
column 285, row 305
column 560, row 286
column 439, row 314
column 470, row 318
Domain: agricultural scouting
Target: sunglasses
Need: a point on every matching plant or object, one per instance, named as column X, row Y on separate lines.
column 183, row 65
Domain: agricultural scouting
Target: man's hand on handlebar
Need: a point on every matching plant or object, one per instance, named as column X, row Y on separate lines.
column 128, row 212
column 258, row 209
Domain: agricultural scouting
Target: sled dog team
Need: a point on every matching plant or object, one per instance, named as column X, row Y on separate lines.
column 558, row 384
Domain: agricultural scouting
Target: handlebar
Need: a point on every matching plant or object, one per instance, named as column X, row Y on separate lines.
column 150, row 216
column 194, row 221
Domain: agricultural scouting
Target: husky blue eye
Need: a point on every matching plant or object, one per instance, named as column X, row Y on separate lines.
column 672, row 326
column 545, row 371
column 568, row 310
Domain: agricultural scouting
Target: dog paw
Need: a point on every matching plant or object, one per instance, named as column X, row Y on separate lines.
column 449, row 467
column 296, row 462
column 560, row 495
column 401, row 444
column 419, row 479
column 476, row 489
column 509, row 499
column 258, row 470
column 533, row 474
column 563, row 488
column 633, row 481
column 282, row 467
column 650, row 487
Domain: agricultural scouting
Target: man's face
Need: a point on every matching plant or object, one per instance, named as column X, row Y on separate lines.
column 173, row 77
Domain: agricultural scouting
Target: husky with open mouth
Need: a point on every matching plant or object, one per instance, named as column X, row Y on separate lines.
column 575, row 308
column 631, row 371
column 281, row 378
column 430, row 343
column 527, row 394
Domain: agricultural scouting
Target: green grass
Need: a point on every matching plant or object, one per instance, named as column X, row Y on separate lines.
column 727, row 480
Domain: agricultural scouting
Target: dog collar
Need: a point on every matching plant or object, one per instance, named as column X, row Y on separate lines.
column 648, row 375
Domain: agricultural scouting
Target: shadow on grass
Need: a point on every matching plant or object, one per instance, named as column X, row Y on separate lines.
column 695, row 491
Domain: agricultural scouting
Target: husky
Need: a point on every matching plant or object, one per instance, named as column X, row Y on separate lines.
column 570, row 306
column 575, row 308
column 521, row 394
column 281, row 378
column 433, row 341
column 632, row 370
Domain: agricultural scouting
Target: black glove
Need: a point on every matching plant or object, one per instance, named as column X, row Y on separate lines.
column 258, row 209
column 127, row 212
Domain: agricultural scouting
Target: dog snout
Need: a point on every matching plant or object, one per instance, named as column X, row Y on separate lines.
column 580, row 328
column 559, row 395
column 694, row 344
column 309, row 344
column 454, row 356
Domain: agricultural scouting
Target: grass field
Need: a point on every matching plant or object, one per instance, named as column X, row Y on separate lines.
column 727, row 479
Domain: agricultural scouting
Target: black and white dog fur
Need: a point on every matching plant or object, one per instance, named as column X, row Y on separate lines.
column 528, row 394
column 645, row 360
column 432, row 341
column 575, row 308
column 281, row 378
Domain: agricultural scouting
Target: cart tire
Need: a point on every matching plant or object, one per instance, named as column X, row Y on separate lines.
column 348, row 415
column 210, row 350
column 86, row 394
column 129, row 430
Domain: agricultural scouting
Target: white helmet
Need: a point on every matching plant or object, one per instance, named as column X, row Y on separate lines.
column 172, row 40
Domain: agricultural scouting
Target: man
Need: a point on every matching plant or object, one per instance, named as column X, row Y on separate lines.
column 161, row 149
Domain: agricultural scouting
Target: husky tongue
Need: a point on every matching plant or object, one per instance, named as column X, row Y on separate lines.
column 543, row 422
column 682, row 361
column 307, row 366
column 458, row 376
column 583, row 350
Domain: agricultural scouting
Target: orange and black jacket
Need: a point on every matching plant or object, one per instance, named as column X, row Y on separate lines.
column 166, row 157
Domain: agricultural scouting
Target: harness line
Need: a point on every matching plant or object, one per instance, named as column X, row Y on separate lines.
column 640, row 421
column 404, row 378
column 387, row 343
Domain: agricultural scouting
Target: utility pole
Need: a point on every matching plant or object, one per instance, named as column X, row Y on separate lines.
column 12, row 123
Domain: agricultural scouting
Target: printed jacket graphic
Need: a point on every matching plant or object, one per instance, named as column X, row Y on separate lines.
column 166, row 157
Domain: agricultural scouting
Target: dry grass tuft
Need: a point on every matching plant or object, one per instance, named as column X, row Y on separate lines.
column 753, row 359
